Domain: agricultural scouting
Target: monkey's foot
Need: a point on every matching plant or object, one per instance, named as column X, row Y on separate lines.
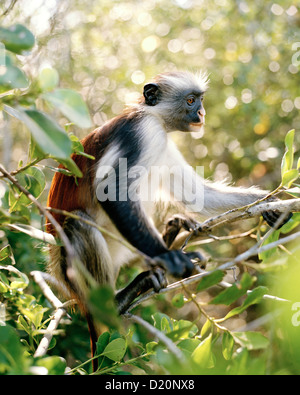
column 174, row 226
column 272, row 216
column 154, row 278
column 178, row 263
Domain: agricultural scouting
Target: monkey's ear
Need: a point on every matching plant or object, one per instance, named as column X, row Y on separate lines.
column 151, row 94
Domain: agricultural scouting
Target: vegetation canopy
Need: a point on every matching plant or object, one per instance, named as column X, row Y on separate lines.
column 65, row 69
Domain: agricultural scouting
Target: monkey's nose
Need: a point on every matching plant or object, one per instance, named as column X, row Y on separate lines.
column 202, row 114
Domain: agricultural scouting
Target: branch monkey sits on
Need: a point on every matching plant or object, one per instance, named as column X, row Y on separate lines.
column 111, row 196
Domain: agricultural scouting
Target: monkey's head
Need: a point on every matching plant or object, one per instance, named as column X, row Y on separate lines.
column 177, row 98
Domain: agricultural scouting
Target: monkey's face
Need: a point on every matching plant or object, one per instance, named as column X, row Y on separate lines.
column 178, row 100
column 188, row 113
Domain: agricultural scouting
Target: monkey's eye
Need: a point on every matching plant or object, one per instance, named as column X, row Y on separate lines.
column 190, row 100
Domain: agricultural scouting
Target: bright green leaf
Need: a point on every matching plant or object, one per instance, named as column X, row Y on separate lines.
column 3, row 287
column 289, row 177
column 251, row 340
column 71, row 104
column 181, row 329
column 206, row 329
column 202, row 355
column 188, row 346
column 115, row 350
column 227, row 345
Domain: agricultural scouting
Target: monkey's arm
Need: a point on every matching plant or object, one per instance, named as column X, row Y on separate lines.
column 210, row 199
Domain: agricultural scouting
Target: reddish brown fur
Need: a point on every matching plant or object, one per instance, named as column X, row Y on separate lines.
column 68, row 193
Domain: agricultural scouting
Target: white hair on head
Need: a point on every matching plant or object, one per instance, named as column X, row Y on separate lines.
column 184, row 80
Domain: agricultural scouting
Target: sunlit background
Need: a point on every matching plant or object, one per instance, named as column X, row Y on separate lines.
column 108, row 49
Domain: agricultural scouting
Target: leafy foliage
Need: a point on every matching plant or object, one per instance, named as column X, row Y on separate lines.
column 251, row 62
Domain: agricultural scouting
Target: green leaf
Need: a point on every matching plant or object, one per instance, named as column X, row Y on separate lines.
column 77, row 147
column 160, row 320
column 102, row 342
column 230, row 295
column 206, row 328
column 288, row 157
column 3, row 287
column 150, row 347
column 115, row 350
column 178, row 300
column 48, row 79
column 17, row 38
column 254, row 297
column 227, row 345
column 32, row 179
column 211, row 279
column 202, row 355
column 71, row 105
column 5, row 253
column 49, row 136
column 289, row 177
column 12, row 77
column 251, row 340
column 181, row 329
column 188, row 346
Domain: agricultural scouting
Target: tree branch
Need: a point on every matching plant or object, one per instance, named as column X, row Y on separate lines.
column 58, row 315
column 160, row 335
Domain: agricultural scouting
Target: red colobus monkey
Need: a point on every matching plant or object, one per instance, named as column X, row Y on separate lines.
column 173, row 101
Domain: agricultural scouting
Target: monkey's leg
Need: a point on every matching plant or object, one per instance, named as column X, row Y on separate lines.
column 154, row 278
column 174, row 226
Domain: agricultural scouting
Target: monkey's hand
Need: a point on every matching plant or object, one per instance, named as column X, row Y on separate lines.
column 272, row 216
column 174, row 225
column 178, row 263
column 154, row 278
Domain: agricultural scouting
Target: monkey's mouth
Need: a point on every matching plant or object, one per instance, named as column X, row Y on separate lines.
column 196, row 126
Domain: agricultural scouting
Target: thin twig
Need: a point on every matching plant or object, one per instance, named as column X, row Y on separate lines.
column 160, row 335
column 55, row 320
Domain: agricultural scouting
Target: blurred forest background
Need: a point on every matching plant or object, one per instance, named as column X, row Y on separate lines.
column 106, row 50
